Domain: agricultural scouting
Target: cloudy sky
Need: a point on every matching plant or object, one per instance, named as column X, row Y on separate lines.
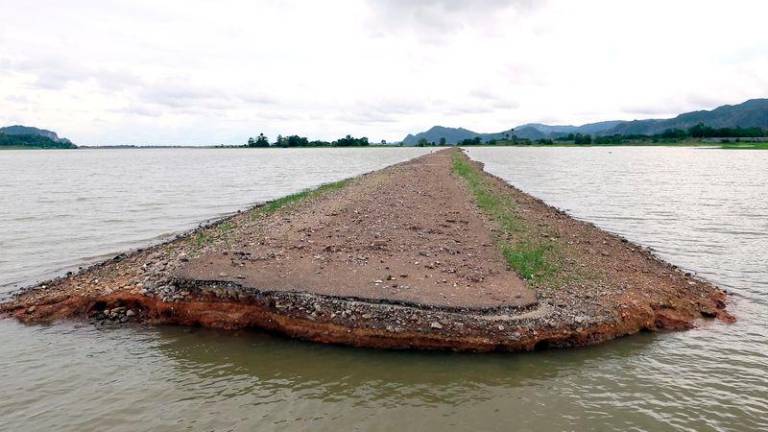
column 214, row 72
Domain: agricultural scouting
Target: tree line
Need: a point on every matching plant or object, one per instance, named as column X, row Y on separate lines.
column 299, row 141
column 699, row 131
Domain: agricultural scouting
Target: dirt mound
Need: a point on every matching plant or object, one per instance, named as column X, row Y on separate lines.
column 433, row 253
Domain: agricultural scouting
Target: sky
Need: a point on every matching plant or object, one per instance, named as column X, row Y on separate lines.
column 194, row 72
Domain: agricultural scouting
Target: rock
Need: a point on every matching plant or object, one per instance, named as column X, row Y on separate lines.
column 436, row 325
column 130, row 313
column 31, row 309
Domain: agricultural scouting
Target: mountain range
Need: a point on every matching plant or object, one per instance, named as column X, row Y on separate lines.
column 752, row 113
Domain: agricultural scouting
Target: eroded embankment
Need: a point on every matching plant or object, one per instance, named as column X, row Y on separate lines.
column 432, row 253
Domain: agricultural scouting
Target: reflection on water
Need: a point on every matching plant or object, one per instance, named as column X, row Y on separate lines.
column 170, row 376
column 75, row 378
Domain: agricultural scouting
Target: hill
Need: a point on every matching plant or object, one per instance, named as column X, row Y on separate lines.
column 750, row 114
column 31, row 137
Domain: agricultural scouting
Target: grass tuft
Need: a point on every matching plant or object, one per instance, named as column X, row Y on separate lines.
column 201, row 239
column 529, row 261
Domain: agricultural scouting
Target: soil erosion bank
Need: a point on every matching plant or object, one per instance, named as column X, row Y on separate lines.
column 432, row 253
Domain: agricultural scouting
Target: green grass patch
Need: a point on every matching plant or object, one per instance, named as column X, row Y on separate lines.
column 275, row 205
column 201, row 239
column 532, row 259
column 225, row 227
column 528, row 260
column 745, row 146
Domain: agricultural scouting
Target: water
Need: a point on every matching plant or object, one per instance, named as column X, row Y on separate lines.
column 702, row 209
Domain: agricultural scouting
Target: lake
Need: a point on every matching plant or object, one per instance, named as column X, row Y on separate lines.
column 703, row 209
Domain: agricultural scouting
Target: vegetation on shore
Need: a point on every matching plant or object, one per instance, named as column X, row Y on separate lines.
column 32, row 142
column 697, row 135
column 298, row 141
column 530, row 257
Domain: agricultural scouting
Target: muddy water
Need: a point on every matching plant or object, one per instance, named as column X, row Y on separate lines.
column 702, row 209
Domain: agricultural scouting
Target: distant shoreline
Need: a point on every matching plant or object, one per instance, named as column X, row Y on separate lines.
column 725, row 144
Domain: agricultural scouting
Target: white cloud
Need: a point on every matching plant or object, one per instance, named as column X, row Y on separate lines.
column 200, row 72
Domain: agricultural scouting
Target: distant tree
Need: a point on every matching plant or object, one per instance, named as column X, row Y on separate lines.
column 700, row 131
column 582, row 139
column 609, row 139
column 674, row 134
column 383, row 142
column 569, row 137
column 261, row 141
column 350, row 141
column 442, row 141
column 319, row 143
column 471, row 141
column 296, row 141
column 280, row 141
column 422, row 142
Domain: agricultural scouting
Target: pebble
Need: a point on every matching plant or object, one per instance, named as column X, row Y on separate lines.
column 436, row 325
